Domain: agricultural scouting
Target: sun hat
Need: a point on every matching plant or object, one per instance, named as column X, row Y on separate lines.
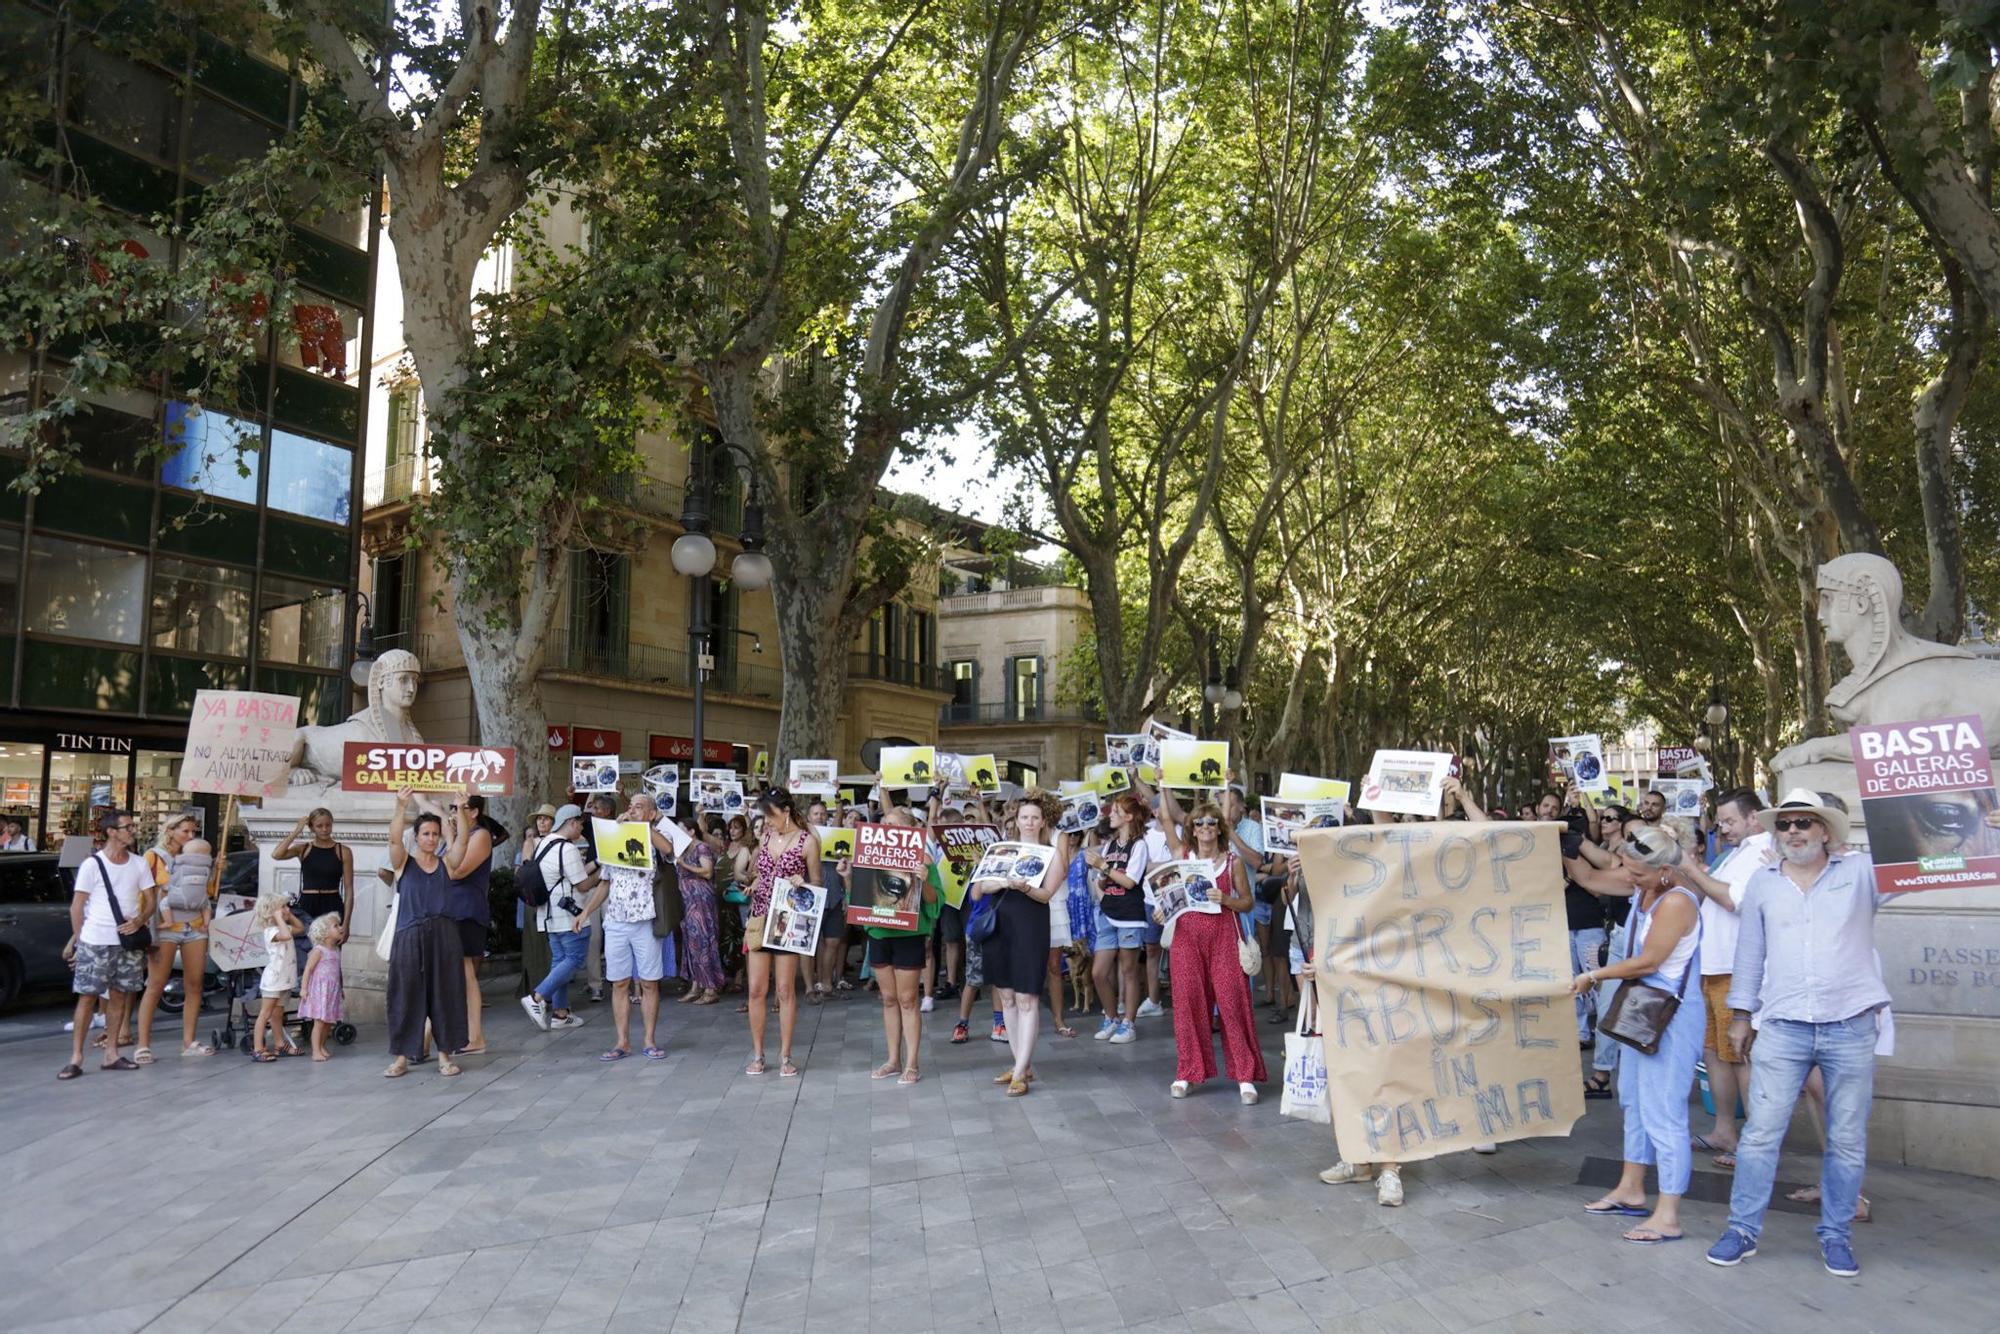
column 545, row 809
column 1805, row 801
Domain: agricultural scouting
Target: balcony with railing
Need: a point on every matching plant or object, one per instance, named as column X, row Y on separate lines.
column 892, row 671
column 655, row 664
column 400, row 481
column 961, row 714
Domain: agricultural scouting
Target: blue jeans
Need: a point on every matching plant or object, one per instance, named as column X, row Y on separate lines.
column 1605, row 1058
column 567, row 950
column 1785, row 1052
column 1584, row 946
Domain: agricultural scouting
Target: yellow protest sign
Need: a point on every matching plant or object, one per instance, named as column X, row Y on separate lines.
column 1191, row 763
column 626, row 843
column 1109, row 779
column 1303, row 787
column 909, row 766
column 1442, row 975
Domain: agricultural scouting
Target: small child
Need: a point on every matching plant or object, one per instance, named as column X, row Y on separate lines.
column 319, row 987
column 273, row 916
column 188, row 876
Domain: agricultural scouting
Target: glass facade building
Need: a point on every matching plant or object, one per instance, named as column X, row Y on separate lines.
column 194, row 548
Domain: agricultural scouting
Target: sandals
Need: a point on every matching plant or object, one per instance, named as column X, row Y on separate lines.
column 908, row 1077
column 786, row 1070
column 1597, row 1086
column 613, row 1054
column 1645, row 1236
column 655, row 1053
column 1064, row 1031
column 197, row 1049
column 1018, row 1088
column 885, row 1070
column 397, row 1068
column 1613, row 1209
column 122, row 1063
column 144, row 1056
column 260, row 1057
column 1007, row 1076
column 756, row 1066
column 447, row 1069
column 69, row 1072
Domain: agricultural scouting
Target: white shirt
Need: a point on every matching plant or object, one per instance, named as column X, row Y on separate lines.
column 563, row 873
column 1718, row 924
column 129, row 880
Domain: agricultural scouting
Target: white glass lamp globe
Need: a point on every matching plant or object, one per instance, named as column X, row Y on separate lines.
column 751, row 571
column 693, row 554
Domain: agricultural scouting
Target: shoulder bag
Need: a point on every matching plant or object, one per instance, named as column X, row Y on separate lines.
column 668, row 905
column 142, row 939
column 1640, row 1012
column 385, row 934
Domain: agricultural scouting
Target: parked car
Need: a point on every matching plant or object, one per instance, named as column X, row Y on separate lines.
column 34, row 923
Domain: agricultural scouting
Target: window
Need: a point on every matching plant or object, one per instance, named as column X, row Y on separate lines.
column 21, row 791
column 124, row 104
column 85, row 591
column 324, row 336
column 214, row 453
column 201, row 609
column 301, row 623
column 599, row 603
column 1024, row 689
column 964, row 689
column 401, row 425
column 390, row 601
column 221, row 138
column 310, row 477
column 10, row 584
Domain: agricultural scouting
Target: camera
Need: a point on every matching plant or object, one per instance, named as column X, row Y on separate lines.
column 569, row 905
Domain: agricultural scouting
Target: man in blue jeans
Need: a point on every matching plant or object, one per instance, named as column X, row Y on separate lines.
column 562, row 919
column 1805, row 966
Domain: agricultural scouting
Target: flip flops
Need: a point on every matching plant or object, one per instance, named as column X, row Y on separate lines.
column 614, row 1054
column 656, row 1053
column 1618, row 1211
column 1648, row 1237
column 260, row 1057
column 1598, row 1086
column 144, row 1056
column 1707, row 1145
column 69, row 1072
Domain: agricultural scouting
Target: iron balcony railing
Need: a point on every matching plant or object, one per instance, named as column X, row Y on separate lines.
column 961, row 714
column 655, row 664
column 877, row 667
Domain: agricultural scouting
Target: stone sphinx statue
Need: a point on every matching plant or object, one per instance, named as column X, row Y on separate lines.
column 392, row 691
column 1897, row 677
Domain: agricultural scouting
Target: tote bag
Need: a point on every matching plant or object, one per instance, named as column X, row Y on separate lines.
column 1305, row 1095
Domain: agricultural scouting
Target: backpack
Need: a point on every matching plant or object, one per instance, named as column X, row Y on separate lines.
column 531, row 883
column 187, row 882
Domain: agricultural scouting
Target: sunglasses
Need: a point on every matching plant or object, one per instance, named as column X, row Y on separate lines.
column 1206, row 824
column 1802, row 823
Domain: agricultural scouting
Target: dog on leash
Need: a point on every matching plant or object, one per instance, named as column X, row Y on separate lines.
column 1082, row 993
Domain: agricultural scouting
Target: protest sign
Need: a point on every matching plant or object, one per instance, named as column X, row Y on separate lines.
column 909, row 766
column 662, row 783
column 1124, row 749
column 1304, row 787
column 1013, row 861
column 893, row 896
column 1108, row 779
column 239, row 744
column 1928, row 800
column 835, row 842
column 760, row 767
column 1184, row 886
column 1680, row 762
column 1581, row 758
column 625, row 843
column 1442, row 972
column 981, row 774
column 712, row 776
column 792, row 922
column 366, row 766
column 1155, row 735
column 1682, row 795
column 593, row 773
column 716, row 796
column 1283, row 820
column 1406, row 782
column 1195, row 764
column 1081, row 811
column 813, row 777
column 963, row 844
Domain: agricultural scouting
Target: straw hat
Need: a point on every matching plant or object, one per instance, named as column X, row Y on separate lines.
column 1805, row 801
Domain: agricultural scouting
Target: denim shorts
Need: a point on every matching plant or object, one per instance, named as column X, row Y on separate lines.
column 632, row 950
column 1119, row 935
column 1261, row 914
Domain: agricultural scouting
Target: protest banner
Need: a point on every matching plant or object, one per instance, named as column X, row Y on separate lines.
column 1108, row 779
column 662, row 783
column 964, row 844
column 716, row 796
column 239, row 744
column 892, row 896
column 1680, row 762
column 1284, row 820
column 1147, row 758
column 1682, row 795
column 1442, row 974
column 909, row 766
column 1928, row 801
column 1406, row 782
column 1581, row 758
column 624, row 843
column 835, row 842
column 1196, row 764
column 981, row 774
column 813, row 777
column 792, row 922
column 1124, row 749
column 366, row 766
column 1304, row 787
column 1184, row 886
column 593, row 773
column 760, row 767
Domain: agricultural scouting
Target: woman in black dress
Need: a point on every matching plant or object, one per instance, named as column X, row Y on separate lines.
column 326, row 877
column 1017, row 954
column 426, row 967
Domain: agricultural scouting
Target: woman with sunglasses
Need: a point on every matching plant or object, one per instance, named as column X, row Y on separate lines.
column 1653, row 1089
column 787, row 851
column 1203, row 965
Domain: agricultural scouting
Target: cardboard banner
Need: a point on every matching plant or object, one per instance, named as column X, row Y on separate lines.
column 239, row 744
column 892, row 897
column 593, row 773
column 1197, row 764
column 1303, row 787
column 366, row 766
column 1284, row 820
column 1928, row 800
column 1442, row 975
column 909, row 766
column 792, row 923
column 1178, row 887
column 963, row 845
column 813, row 777
column 1406, row 782
column 623, row 843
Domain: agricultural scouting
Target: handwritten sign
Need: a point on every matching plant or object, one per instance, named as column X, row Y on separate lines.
column 367, row 766
column 1442, row 963
column 1928, row 799
column 239, row 743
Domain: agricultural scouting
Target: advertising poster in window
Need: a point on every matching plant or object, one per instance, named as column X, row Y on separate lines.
column 1928, row 798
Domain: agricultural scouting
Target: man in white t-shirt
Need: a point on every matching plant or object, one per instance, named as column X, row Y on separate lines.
column 105, row 969
column 1721, row 889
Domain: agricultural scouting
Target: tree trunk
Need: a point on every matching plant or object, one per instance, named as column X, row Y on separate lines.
column 1939, row 175
column 814, row 645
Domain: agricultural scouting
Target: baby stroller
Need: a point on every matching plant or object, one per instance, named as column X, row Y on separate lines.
column 237, row 949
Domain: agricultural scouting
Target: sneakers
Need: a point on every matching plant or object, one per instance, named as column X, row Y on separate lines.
column 1389, row 1187
column 1106, row 1029
column 924, row 1005
column 538, row 1010
column 1150, row 1009
column 1486, row 1148
column 1177, row 1089
column 1734, row 1248
column 1344, row 1172
column 1839, row 1257
column 1247, row 1092
column 959, row 1032
column 1124, row 1033
column 999, row 1033
column 568, row 1021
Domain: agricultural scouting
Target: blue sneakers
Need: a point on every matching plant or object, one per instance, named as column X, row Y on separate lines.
column 1733, row 1249
column 1839, row 1257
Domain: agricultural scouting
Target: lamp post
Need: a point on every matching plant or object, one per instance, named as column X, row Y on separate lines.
column 364, row 643
column 1211, row 691
column 694, row 556
column 1716, row 721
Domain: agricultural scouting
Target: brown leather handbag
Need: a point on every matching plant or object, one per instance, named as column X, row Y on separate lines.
column 1640, row 1012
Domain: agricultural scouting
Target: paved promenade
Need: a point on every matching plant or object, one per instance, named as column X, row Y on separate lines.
column 542, row 1190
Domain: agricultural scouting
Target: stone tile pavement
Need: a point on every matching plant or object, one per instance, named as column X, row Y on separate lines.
column 543, row 1190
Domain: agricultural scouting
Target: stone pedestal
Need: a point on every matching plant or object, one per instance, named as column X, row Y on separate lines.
column 362, row 823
